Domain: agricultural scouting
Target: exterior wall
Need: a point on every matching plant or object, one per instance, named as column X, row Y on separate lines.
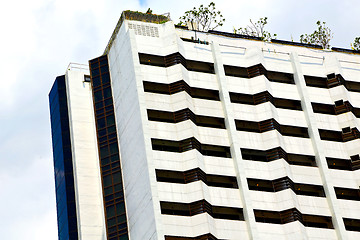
column 243, row 53
column 90, row 213
column 138, row 175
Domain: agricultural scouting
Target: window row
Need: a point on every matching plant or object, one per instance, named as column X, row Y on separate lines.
column 113, row 193
column 207, row 236
column 337, row 108
column 347, row 134
column 265, row 216
column 258, row 70
column 183, row 115
column 173, row 59
column 189, row 144
column 181, row 86
column 300, row 188
column 283, row 183
column 263, row 97
column 194, row 175
column 269, row 155
column 202, row 206
column 215, row 122
column 271, row 124
column 199, row 66
column 332, row 80
column 351, row 164
column 292, row 215
column 277, row 153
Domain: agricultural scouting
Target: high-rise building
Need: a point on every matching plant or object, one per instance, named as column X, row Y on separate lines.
column 178, row 134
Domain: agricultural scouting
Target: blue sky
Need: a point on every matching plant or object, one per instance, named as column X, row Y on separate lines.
column 39, row 40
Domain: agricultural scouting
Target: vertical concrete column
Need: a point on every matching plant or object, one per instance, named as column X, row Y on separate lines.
column 234, row 143
column 317, row 145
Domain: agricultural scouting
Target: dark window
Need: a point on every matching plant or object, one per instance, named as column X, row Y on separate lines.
column 86, row 78
column 346, row 134
column 340, row 164
column 202, row 206
column 265, row 97
column 277, row 153
column 347, row 193
column 235, row 71
column 352, row 86
column 189, row 144
column 352, row 224
column 257, row 70
column 153, row 60
column 207, row 236
column 319, row 82
column 173, row 59
column 330, row 135
column 331, row 81
column 113, row 193
column 196, row 175
column 292, row 215
column 285, row 183
column 271, row 124
column 183, row 115
column 323, row 108
column 180, row 86
column 280, row 77
column 339, row 103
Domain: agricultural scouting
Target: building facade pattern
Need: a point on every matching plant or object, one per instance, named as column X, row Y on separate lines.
column 225, row 138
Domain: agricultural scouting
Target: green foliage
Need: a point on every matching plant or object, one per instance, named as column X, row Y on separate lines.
column 206, row 18
column 321, row 36
column 149, row 11
column 356, row 44
column 256, row 29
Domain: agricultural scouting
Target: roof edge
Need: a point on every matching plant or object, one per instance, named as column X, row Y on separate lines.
column 137, row 16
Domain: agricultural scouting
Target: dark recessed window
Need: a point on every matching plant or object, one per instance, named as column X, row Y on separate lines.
column 331, row 76
column 87, row 78
column 339, row 103
column 355, row 157
column 346, row 130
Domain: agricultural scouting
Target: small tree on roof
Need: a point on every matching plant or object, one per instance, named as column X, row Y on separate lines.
column 256, row 29
column 356, row 44
column 321, row 36
column 206, row 18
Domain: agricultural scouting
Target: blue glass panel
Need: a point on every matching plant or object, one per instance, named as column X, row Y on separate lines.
column 63, row 169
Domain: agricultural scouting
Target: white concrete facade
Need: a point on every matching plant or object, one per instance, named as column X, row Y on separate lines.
column 88, row 190
column 145, row 193
column 127, row 75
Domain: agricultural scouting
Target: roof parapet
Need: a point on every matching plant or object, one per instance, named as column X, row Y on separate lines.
column 136, row 16
column 77, row 67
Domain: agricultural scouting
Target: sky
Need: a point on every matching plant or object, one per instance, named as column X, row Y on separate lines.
column 39, row 38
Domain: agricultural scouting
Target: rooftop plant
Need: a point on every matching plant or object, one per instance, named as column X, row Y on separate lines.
column 321, row 36
column 356, row 44
column 256, row 29
column 204, row 18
